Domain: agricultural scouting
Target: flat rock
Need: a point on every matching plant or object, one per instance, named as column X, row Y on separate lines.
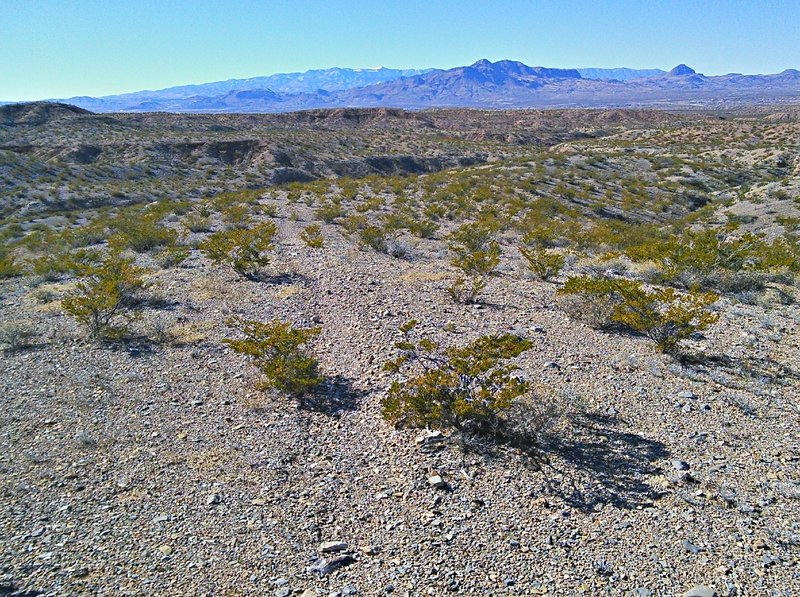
column 680, row 465
column 437, row 482
column 700, row 591
column 324, row 567
column 332, row 546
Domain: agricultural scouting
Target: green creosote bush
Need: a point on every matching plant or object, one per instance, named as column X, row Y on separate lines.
column 105, row 293
column 423, row 228
column 477, row 255
column 280, row 352
column 465, row 388
column 544, row 264
column 712, row 260
column 311, row 235
column 354, row 223
column 140, row 232
column 245, row 250
column 16, row 336
column 237, row 215
column 172, row 257
column 197, row 222
column 60, row 262
column 329, row 212
column 395, row 221
column 9, row 268
column 664, row 315
column 374, row 237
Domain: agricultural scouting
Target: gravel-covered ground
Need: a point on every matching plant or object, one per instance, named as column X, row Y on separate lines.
column 157, row 468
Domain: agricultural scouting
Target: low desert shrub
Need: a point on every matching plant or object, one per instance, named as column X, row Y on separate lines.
column 544, row 264
column 476, row 254
column 60, row 262
column 423, row 228
column 106, row 293
column 9, row 268
column 374, row 237
column 664, row 315
column 140, row 232
column 197, row 222
column 16, row 335
column 398, row 247
column 714, row 259
column 466, row 388
column 245, row 250
column 237, row 215
column 466, row 290
column 329, row 212
column 172, row 257
column 280, row 352
column 311, row 235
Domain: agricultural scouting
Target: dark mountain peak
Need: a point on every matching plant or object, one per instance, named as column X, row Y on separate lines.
column 682, row 70
column 515, row 68
column 793, row 72
column 482, row 63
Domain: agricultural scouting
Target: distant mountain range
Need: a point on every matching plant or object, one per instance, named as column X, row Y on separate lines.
column 484, row 84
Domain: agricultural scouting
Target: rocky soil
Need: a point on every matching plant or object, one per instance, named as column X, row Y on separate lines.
column 156, row 467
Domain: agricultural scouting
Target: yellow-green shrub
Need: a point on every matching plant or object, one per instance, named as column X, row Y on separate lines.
column 465, row 388
column 140, row 232
column 664, row 315
column 8, row 265
column 543, row 263
column 279, row 351
column 245, row 250
column 105, row 293
column 330, row 211
column 311, row 235
column 477, row 255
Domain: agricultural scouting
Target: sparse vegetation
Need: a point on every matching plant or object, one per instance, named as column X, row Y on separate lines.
column 8, row 266
column 662, row 314
column 544, row 263
column 245, row 250
column 477, row 255
column 105, row 294
column 280, row 352
column 643, row 217
column 467, row 388
column 311, row 235
column 140, row 231
column 15, row 335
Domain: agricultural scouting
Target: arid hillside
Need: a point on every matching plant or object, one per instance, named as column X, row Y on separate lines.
column 372, row 352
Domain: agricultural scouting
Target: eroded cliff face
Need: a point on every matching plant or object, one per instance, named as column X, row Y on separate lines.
column 54, row 156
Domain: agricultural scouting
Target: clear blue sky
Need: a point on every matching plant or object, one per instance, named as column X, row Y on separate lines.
column 60, row 48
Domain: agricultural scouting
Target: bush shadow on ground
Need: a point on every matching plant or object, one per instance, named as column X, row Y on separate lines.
column 599, row 464
column 334, row 396
column 279, row 278
column 593, row 464
column 765, row 369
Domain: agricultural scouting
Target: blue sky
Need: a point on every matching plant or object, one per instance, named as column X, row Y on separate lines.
column 61, row 48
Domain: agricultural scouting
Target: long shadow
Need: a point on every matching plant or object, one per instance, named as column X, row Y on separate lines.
column 12, row 591
column 754, row 368
column 604, row 465
column 335, row 396
column 158, row 303
column 32, row 347
column 135, row 346
column 282, row 279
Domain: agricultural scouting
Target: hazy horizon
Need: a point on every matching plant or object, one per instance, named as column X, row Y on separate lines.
column 52, row 50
